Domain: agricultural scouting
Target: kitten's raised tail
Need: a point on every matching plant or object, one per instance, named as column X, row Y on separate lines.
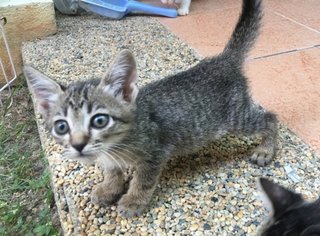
column 245, row 32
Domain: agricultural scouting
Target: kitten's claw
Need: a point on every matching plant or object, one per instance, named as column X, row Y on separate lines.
column 129, row 206
column 129, row 213
column 261, row 158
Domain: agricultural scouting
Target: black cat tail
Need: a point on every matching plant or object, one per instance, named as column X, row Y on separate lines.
column 245, row 32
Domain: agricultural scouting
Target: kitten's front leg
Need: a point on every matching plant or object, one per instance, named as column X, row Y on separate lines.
column 111, row 189
column 140, row 190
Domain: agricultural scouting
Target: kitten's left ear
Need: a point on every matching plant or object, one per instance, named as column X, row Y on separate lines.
column 121, row 77
column 281, row 199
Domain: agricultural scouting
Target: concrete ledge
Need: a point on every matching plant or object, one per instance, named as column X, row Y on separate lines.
column 210, row 193
column 26, row 20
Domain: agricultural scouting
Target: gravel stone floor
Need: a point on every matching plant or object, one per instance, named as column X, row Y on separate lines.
column 212, row 192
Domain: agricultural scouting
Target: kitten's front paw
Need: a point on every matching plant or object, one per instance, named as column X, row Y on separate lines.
column 262, row 156
column 103, row 195
column 130, row 206
column 183, row 11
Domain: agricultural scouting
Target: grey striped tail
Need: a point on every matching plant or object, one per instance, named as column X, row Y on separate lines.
column 246, row 31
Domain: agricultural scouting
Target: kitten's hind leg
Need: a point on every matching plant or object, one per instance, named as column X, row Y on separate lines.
column 267, row 130
column 111, row 189
column 263, row 124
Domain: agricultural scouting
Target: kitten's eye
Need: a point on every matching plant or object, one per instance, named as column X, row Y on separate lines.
column 61, row 127
column 99, row 121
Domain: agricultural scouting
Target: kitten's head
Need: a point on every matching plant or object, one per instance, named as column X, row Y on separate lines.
column 291, row 215
column 88, row 118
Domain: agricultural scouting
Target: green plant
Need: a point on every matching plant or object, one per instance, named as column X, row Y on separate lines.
column 26, row 199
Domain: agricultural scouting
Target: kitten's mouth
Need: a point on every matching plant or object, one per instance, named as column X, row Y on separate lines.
column 85, row 155
column 78, row 155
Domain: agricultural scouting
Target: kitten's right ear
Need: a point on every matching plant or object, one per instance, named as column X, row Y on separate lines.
column 281, row 198
column 45, row 90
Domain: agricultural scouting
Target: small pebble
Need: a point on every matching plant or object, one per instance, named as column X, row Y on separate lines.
column 206, row 226
column 194, row 227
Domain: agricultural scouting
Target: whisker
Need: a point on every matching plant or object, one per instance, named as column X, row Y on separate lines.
column 128, row 147
column 65, row 153
column 121, row 152
column 96, row 145
column 119, row 155
column 125, row 148
column 113, row 159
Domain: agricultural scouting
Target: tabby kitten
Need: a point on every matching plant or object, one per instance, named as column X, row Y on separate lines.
column 291, row 214
column 183, row 8
column 111, row 122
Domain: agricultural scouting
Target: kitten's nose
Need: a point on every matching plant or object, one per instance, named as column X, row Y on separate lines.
column 79, row 140
column 79, row 147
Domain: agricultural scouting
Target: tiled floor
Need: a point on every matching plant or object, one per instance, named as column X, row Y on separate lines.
column 284, row 69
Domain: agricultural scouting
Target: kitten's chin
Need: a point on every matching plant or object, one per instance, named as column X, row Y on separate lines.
column 85, row 158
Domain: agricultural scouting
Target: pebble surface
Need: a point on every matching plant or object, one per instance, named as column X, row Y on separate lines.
column 212, row 192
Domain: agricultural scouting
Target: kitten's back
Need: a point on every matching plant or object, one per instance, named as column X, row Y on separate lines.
column 209, row 97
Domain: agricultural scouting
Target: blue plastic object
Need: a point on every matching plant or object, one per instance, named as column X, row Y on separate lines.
column 117, row 9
